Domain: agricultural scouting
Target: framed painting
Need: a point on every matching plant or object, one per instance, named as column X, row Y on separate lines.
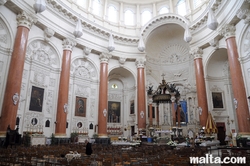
column 36, row 99
column 217, row 98
column 80, row 108
column 114, row 112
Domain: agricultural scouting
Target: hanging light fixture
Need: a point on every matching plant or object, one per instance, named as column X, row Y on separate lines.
column 187, row 35
column 111, row 46
column 212, row 22
column 141, row 45
column 78, row 30
column 39, row 6
column 2, row 2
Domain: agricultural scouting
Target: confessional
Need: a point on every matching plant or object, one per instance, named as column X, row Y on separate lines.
column 12, row 137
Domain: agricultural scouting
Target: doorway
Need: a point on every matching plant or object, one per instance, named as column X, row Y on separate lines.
column 221, row 135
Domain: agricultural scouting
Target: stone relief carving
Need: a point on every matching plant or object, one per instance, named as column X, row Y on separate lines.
column 226, row 69
column 52, row 82
column 43, row 53
column 215, row 88
column 83, row 69
column 82, row 91
column 49, row 101
column 114, row 97
column 93, row 92
column 246, row 45
column 3, row 35
column 92, row 107
column 171, row 54
column 39, row 78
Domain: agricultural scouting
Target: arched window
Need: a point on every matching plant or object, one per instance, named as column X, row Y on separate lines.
column 81, row 3
column 145, row 17
column 96, row 7
column 112, row 14
column 181, row 7
column 196, row 3
column 129, row 18
column 164, row 10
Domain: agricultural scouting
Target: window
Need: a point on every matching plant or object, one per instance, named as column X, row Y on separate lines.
column 81, row 3
column 196, row 3
column 112, row 14
column 129, row 18
column 181, row 7
column 132, row 107
column 96, row 7
column 114, row 86
column 146, row 16
column 164, row 10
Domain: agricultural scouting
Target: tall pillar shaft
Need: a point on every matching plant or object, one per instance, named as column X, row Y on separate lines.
column 200, row 85
column 141, row 91
column 173, row 108
column 179, row 116
column 14, row 80
column 103, row 96
column 150, row 113
column 239, row 92
column 63, row 93
column 157, row 115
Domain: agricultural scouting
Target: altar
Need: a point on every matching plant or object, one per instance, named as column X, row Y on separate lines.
column 82, row 138
column 37, row 139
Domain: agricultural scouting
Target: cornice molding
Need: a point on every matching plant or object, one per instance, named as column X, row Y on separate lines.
column 69, row 14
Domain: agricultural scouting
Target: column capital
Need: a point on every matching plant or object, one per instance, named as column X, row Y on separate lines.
column 228, row 31
column 140, row 62
column 104, row 57
column 150, row 101
column 68, row 44
column 197, row 52
column 23, row 19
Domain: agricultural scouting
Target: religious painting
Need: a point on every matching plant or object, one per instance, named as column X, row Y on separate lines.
column 36, row 99
column 132, row 107
column 114, row 112
column 80, row 108
column 217, row 100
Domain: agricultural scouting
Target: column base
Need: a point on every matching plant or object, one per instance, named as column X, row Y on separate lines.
column 2, row 134
column 60, row 135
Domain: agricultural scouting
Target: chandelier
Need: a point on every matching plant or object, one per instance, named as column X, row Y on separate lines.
column 164, row 92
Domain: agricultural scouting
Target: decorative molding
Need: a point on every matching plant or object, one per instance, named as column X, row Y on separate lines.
column 197, row 53
column 48, row 33
column 43, row 53
column 140, row 62
column 68, row 44
column 171, row 54
column 228, row 31
column 215, row 88
column 104, row 57
column 114, row 97
column 87, row 25
column 82, row 91
column 83, row 69
column 23, row 19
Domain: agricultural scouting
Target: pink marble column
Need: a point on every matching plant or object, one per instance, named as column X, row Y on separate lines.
column 239, row 92
column 63, row 93
column 173, row 108
column 141, row 92
column 14, row 80
column 200, row 85
column 157, row 115
column 103, row 96
column 150, row 112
